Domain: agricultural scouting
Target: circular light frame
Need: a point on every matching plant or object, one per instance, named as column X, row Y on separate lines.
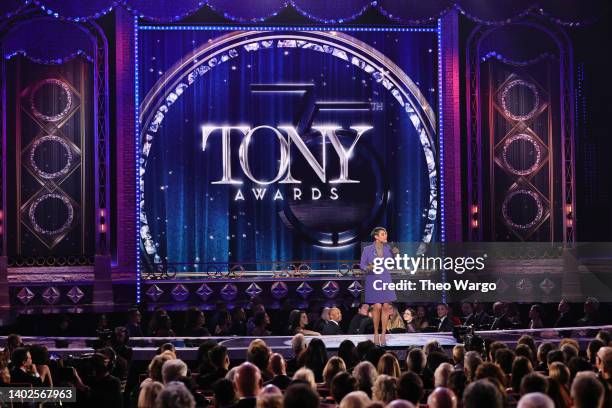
column 51, row 118
column 538, row 203
column 504, row 96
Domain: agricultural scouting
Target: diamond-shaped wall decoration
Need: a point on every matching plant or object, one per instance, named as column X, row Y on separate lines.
column 279, row 290
column 331, row 289
column 253, row 290
column 355, row 288
column 229, row 292
column 502, row 286
column 25, row 295
column 75, row 294
column 524, row 285
column 51, row 295
column 180, row 293
column 547, row 286
column 154, row 292
column 304, row 290
column 204, row 291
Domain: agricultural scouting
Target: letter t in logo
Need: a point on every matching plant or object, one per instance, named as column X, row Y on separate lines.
column 225, row 149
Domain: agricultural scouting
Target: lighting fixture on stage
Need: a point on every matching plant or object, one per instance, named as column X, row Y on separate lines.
column 154, row 292
column 331, row 289
column 355, row 288
column 102, row 220
column 253, row 290
column 180, row 293
column 51, row 295
column 279, row 290
column 304, row 290
column 229, row 292
column 25, row 295
column 547, row 286
column 204, row 292
column 1, row 222
column 75, row 294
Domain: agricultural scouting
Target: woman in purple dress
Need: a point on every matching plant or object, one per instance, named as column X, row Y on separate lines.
column 382, row 297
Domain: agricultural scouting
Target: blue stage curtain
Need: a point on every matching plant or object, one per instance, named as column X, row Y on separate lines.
column 568, row 12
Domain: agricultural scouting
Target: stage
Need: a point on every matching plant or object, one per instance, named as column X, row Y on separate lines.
column 145, row 348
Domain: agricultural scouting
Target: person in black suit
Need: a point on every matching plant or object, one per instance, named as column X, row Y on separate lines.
column 333, row 325
column 279, row 369
column 445, row 325
column 362, row 314
column 248, row 384
column 322, row 322
column 564, row 319
column 501, row 321
column 104, row 390
column 24, row 372
column 217, row 356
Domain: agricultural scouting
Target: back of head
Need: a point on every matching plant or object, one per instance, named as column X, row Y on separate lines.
column 471, row 362
column 277, row 364
column 298, row 343
column 148, row 394
column 355, row 399
column 535, row 400
column 155, row 367
column 482, row 393
column 543, row 350
column 534, row 382
column 217, row 356
column 175, row 395
column 400, row 403
column 504, row 358
column 224, row 392
column 442, row 374
column 560, row 373
column 442, row 398
column 410, row 387
column 342, row 384
column 384, row 389
column 587, row 391
column 365, row 373
column 306, row 375
column 270, row 401
column 300, row 396
column 389, row 365
column 458, row 353
column 258, row 353
column 247, row 378
column 334, row 366
column 172, row 370
column 604, row 354
column 415, row 360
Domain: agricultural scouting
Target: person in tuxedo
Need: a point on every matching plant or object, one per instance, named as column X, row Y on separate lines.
column 564, row 319
column 501, row 321
column 279, row 369
column 217, row 356
column 445, row 325
column 24, row 372
column 362, row 314
column 248, row 383
column 333, row 325
column 323, row 320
